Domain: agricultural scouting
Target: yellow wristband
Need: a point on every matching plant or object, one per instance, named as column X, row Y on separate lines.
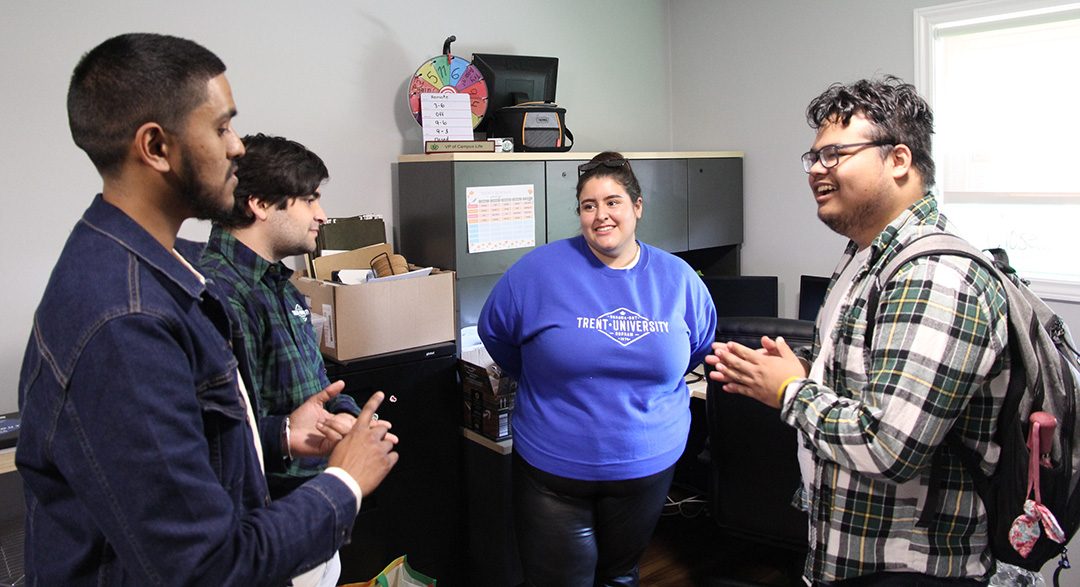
column 783, row 387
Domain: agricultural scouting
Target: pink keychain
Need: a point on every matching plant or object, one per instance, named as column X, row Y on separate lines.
column 1025, row 530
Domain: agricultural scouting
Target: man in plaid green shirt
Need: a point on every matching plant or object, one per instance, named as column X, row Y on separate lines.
column 276, row 214
column 874, row 414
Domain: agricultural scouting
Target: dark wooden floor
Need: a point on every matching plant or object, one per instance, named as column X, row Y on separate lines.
column 694, row 552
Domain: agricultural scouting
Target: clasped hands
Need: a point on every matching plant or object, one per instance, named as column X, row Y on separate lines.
column 313, row 430
column 755, row 373
column 363, row 446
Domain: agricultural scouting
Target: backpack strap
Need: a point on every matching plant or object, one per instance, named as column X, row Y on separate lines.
column 934, row 243
column 933, row 493
column 931, row 244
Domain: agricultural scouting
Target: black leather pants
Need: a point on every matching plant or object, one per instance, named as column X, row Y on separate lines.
column 575, row 533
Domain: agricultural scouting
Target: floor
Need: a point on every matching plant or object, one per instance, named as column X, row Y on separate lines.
column 689, row 550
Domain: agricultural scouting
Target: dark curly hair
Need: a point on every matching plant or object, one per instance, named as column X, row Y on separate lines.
column 607, row 164
column 896, row 111
column 130, row 80
column 275, row 170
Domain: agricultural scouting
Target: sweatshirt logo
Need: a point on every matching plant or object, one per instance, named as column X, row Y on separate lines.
column 623, row 326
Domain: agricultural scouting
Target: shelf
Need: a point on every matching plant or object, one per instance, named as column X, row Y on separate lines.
column 568, row 156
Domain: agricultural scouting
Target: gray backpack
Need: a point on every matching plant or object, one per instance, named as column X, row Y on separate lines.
column 1044, row 377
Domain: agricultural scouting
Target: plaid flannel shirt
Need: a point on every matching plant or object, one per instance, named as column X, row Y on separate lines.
column 286, row 365
column 937, row 365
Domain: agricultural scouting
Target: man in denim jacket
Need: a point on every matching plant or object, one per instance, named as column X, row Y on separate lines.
column 142, row 459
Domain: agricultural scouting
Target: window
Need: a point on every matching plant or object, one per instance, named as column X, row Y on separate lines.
column 1000, row 75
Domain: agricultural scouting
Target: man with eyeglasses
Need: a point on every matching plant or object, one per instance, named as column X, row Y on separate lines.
column 875, row 411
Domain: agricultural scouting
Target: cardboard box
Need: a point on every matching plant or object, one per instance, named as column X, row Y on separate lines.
column 487, row 395
column 492, row 419
column 324, row 267
column 489, row 382
column 382, row 316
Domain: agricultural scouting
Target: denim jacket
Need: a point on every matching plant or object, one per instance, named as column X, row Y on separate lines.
column 135, row 449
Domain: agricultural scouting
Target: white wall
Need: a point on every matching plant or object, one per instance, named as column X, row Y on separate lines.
column 331, row 74
column 746, row 70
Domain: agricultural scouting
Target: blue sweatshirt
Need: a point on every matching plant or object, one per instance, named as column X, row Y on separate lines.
column 599, row 355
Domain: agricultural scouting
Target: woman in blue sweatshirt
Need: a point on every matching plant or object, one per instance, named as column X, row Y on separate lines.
column 599, row 331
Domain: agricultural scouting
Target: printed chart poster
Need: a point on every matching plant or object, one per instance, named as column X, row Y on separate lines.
column 500, row 217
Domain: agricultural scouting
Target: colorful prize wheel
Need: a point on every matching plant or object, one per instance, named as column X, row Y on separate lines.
column 449, row 74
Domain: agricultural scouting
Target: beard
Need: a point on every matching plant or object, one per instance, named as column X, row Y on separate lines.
column 851, row 220
column 206, row 201
column 293, row 249
column 287, row 244
column 844, row 223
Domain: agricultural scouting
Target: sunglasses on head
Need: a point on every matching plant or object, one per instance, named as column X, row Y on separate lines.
column 612, row 163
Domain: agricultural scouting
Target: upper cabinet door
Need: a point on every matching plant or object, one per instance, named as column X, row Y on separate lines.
column 716, row 203
column 562, row 218
column 663, row 189
column 490, row 174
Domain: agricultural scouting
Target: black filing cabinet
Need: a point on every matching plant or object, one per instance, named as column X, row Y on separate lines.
column 416, row 511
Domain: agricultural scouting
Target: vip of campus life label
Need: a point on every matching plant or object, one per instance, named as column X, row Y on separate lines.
column 459, row 147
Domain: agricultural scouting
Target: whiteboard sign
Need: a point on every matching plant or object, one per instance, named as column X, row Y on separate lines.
column 446, row 117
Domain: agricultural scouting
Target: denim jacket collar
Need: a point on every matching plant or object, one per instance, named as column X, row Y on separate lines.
column 117, row 225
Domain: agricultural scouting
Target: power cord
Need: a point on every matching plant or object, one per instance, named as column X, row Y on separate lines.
column 695, row 376
column 687, row 507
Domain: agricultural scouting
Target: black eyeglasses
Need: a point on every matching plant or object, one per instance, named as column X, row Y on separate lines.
column 612, row 163
column 830, row 155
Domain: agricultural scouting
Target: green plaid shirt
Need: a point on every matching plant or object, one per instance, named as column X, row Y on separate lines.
column 286, row 365
column 937, row 365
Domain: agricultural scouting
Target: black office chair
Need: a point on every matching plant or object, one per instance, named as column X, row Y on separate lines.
column 755, row 468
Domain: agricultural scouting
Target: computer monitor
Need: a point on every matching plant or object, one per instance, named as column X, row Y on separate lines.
column 811, row 296
column 743, row 295
column 513, row 79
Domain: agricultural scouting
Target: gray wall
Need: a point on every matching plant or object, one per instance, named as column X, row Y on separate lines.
column 332, row 75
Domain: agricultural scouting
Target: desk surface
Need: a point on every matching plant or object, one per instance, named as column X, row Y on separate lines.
column 698, row 388
column 503, row 447
column 7, row 460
